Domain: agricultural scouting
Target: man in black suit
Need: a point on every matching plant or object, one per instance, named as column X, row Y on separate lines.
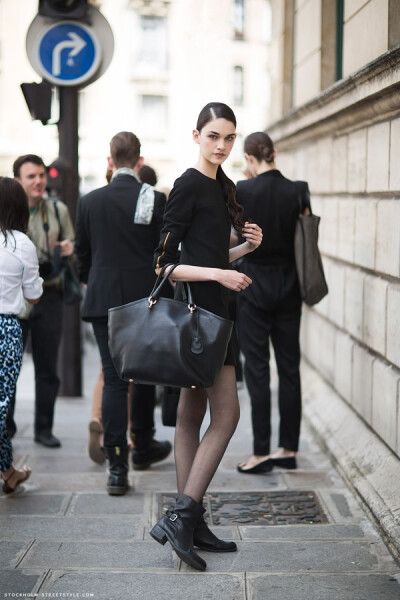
column 117, row 228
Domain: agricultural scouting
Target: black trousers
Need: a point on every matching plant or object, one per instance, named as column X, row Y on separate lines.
column 45, row 326
column 271, row 310
column 115, row 390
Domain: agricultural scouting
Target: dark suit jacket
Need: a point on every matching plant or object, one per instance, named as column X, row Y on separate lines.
column 114, row 254
column 273, row 202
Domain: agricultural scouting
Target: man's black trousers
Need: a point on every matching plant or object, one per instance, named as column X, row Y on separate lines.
column 115, row 390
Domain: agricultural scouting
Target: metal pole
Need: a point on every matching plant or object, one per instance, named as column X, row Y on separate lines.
column 70, row 355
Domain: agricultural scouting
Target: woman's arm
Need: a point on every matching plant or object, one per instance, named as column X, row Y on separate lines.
column 32, row 300
column 32, row 283
column 253, row 235
column 230, row 279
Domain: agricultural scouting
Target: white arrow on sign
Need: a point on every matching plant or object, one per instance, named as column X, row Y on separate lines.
column 76, row 43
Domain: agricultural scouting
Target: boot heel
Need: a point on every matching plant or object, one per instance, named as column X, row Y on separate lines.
column 158, row 534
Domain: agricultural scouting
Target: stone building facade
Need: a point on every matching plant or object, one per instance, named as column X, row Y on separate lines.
column 170, row 58
column 336, row 123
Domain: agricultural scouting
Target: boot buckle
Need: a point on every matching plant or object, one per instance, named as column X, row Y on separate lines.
column 173, row 517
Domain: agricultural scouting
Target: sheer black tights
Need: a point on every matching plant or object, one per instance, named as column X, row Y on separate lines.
column 197, row 461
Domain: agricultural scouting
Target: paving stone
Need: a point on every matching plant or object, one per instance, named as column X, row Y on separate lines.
column 152, row 480
column 145, row 586
column 342, row 507
column 98, row 555
column 302, row 532
column 11, row 552
column 70, row 482
column 60, row 463
column 314, row 556
column 34, row 504
column 317, row 587
column 23, row 444
column 18, row 582
column 307, row 480
column 71, row 528
column 103, row 504
column 231, row 480
column 341, row 504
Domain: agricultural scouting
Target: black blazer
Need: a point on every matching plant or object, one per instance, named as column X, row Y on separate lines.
column 273, row 202
column 114, row 254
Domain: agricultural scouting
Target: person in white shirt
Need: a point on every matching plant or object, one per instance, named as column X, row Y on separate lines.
column 19, row 279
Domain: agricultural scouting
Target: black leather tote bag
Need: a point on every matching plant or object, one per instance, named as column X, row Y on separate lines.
column 310, row 271
column 167, row 342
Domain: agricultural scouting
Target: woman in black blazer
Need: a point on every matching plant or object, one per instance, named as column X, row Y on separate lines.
column 271, row 307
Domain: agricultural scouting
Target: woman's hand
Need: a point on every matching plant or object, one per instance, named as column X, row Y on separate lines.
column 253, row 235
column 233, row 280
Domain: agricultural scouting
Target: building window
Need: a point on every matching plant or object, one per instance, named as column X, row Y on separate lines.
column 153, row 116
column 238, row 86
column 238, row 19
column 153, row 43
column 339, row 38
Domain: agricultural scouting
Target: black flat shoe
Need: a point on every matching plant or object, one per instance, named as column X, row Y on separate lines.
column 285, row 462
column 47, row 439
column 263, row 467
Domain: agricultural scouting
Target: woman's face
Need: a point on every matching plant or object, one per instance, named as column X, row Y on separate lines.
column 216, row 140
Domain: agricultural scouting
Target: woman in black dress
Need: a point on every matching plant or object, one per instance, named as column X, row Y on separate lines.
column 271, row 308
column 198, row 215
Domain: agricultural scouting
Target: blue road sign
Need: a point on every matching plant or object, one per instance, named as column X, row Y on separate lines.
column 68, row 53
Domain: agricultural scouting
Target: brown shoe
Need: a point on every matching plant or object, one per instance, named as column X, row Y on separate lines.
column 96, row 450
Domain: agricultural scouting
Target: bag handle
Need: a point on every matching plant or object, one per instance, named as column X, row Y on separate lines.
column 300, row 198
column 161, row 281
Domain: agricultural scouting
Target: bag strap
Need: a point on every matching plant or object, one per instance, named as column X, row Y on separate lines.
column 299, row 188
column 45, row 221
column 161, row 282
column 60, row 233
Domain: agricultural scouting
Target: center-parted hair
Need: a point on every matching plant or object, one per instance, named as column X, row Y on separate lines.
column 125, row 149
column 14, row 209
column 260, row 145
column 218, row 110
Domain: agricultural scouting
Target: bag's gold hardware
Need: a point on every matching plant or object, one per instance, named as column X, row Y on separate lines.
column 152, row 302
column 192, row 307
column 193, row 387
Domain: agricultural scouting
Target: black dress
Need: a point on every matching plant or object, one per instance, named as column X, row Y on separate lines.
column 196, row 231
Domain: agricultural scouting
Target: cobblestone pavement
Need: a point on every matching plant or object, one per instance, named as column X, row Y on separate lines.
column 301, row 535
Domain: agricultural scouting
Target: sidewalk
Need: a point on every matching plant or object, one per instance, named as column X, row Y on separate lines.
column 301, row 535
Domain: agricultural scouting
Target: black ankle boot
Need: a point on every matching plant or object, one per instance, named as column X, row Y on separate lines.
column 204, row 539
column 177, row 527
column 117, row 482
column 147, row 450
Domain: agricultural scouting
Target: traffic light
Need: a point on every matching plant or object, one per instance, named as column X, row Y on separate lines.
column 57, row 171
column 63, row 9
column 38, row 99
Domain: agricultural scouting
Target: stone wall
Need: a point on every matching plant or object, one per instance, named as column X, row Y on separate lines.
column 345, row 141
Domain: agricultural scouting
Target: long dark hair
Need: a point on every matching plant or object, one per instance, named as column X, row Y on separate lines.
column 14, row 209
column 218, row 110
column 260, row 145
